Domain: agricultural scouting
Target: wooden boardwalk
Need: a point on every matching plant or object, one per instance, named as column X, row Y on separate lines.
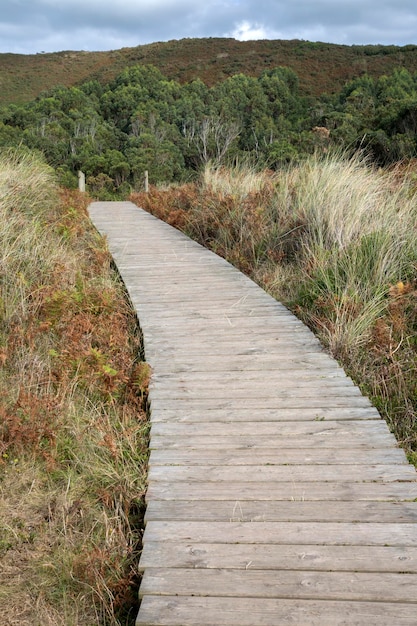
column 276, row 493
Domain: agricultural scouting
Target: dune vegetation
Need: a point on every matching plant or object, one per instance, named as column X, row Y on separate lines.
column 73, row 424
column 333, row 238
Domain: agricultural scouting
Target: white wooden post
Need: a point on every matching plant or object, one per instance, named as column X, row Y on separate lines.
column 146, row 181
column 81, row 181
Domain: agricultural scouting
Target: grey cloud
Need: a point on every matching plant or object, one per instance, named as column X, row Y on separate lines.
column 347, row 21
column 35, row 25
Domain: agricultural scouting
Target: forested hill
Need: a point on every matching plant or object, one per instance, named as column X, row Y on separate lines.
column 321, row 67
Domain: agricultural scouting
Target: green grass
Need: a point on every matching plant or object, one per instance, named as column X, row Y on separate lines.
column 73, row 433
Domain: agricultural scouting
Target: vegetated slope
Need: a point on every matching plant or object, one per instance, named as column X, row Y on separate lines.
column 73, row 431
column 321, row 67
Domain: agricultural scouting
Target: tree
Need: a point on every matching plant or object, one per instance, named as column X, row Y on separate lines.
column 241, row 100
column 161, row 158
column 212, row 138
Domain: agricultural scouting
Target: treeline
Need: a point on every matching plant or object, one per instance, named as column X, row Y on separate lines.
column 143, row 121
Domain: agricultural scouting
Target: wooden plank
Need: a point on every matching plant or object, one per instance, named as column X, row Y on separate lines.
column 262, row 343
column 290, row 491
column 281, row 473
column 206, row 404
column 280, row 378
column 294, row 456
column 359, row 586
column 244, row 362
column 198, row 290
column 178, row 297
column 248, row 442
column 280, row 511
column 325, row 558
column 270, row 438
column 229, row 306
column 223, row 326
column 265, row 389
column 213, row 611
column 307, row 414
column 295, row 533
column 219, row 320
column 280, row 374
column 285, row 337
column 237, row 301
column 316, row 428
column 274, row 382
column 268, row 395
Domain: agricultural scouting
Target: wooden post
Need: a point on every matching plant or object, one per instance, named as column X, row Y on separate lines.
column 81, row 181
column 146, row 181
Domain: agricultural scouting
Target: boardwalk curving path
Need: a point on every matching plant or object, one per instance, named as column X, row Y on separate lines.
column 276, row 493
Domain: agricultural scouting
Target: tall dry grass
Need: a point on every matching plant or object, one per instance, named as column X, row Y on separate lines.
column 73, row 429
column 334, row 239
column 357, row 240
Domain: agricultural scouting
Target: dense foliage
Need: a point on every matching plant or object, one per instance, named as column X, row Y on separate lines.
column 144, row 122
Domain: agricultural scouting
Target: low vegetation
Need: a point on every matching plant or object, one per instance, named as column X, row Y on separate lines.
column 73, row 428
column 322, row 67
column 334, row 239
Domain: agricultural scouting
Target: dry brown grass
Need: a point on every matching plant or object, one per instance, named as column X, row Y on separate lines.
column 73, row 434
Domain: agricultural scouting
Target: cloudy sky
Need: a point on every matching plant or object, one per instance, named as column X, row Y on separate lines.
column 30, row 26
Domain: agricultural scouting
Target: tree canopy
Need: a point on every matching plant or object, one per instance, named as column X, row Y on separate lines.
column 144, row 121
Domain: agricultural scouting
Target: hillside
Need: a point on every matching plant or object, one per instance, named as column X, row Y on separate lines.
column 321, row 67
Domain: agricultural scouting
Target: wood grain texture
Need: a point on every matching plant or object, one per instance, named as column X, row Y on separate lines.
column 280, row 511
column 276, row 493
column 279, row 557
column 213, row 611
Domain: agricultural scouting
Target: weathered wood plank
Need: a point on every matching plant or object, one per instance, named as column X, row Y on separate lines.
column 179, row 298
column 295, row 533
column 262, row 344
column 304, row 414
column 360, row 586
column 280, row 511
column 271, row 439
column 281, row 473
column 229, row 307
column 277, row 324
column 277, row 375
column 253, row 362
column 290, row 491
column 267, row 388
column 293, row 456
column 223, row 328
column 306, row 557
column 213, row 611
column 294, row 402
column 317, row 428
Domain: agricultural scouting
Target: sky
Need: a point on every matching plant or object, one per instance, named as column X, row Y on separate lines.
column 34, row 26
